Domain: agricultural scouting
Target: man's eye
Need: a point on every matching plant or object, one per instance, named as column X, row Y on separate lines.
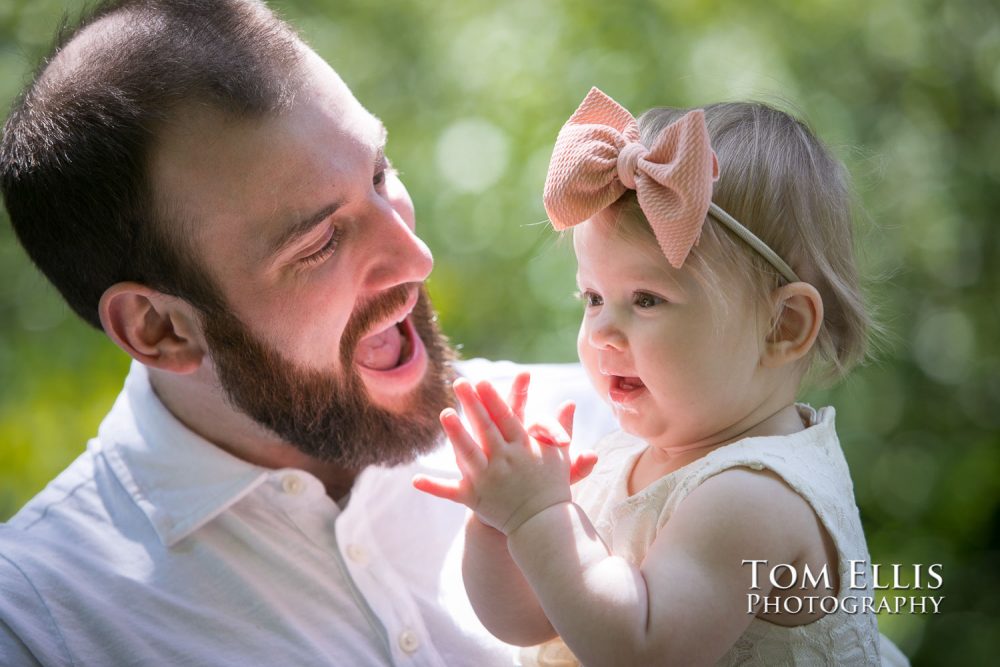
column 328, row 248
column 645, row 300
column 382, row 173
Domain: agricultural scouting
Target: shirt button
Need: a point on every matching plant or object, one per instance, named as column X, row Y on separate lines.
column 357, row 553
column 292, row 485
column 409, row 641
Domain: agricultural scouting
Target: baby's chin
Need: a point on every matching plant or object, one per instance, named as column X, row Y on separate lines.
column 630, row 419
column 662, row 434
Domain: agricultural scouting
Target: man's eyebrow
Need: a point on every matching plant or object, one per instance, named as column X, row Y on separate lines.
column 299, row 229
column 302, row 227
column 382, row 136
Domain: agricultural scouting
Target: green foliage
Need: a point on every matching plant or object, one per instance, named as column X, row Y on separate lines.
column 905, row 91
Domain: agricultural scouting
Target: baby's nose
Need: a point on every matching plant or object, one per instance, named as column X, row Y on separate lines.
column 606, row 334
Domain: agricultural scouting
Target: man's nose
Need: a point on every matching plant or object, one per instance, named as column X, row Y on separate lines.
column 397, row 253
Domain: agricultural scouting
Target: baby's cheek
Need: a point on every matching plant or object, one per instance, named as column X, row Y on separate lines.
column 588, row 358
column 669, row 368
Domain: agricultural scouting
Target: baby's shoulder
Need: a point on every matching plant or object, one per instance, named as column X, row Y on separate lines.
column 808, row 465
column 758, row 506
column 750, row 490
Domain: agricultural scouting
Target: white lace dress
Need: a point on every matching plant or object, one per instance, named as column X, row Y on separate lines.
column 810, row 462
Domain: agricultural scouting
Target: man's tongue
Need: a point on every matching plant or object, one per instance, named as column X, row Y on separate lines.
column 380, row 351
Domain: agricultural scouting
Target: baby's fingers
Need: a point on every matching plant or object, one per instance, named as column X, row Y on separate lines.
column 469, row 455
column 518, row 396
column 477, row 415
column 548, row 433
column 565, row 416
column 582, row 465
column 449, row 489
column 505, row 418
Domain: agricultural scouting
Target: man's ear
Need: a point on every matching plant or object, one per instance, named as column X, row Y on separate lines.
column 798, row 316
column 155, row 329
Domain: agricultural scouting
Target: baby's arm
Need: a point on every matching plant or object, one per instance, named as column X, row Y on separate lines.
column 687, row 602
column 500, row 595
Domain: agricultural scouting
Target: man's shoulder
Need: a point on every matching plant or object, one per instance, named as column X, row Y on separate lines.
column 76, row 518
column 35, row 563
column 74, row 485
column 29, row 634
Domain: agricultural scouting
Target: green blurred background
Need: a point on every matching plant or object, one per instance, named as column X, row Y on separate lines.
column 905, row 91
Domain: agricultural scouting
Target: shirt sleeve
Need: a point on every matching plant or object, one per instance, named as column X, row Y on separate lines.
column 13, row 651
column 28, row 634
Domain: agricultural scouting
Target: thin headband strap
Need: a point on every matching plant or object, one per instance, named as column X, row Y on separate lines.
column 753, row 241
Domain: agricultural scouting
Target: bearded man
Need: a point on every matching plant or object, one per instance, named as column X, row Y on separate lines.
column 201, row 186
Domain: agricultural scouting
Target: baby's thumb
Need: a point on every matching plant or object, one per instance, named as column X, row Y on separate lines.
column 583, row 464
column 549, row 434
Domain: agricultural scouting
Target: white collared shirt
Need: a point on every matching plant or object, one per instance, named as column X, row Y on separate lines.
column 156, row 547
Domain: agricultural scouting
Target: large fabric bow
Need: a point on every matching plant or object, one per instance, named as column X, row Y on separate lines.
column 598, row 155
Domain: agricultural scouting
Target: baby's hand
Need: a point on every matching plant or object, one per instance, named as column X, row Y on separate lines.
column 509, row 473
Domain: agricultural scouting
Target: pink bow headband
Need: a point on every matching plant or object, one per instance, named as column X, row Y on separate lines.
column 598, row 156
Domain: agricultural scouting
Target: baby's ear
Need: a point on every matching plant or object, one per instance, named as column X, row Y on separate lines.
column 798, row 315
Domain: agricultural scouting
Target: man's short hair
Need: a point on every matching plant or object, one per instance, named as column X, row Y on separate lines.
column 75, row 153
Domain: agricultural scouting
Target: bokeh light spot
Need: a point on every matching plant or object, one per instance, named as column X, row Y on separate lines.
column 472, row 154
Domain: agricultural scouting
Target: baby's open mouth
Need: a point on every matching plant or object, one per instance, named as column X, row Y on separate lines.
column 625, row 388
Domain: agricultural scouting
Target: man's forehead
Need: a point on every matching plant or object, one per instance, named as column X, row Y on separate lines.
column 320, row 81
column 323, row 116
column 268, row 174
column 293, row 221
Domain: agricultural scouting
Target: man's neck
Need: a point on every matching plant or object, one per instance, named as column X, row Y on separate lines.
column 197, row 402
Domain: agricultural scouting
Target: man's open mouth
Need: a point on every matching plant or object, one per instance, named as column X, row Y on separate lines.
column 387, row 349
column 392, row 360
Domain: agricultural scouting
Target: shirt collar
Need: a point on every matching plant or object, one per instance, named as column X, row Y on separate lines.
column 182, row 481
column 177, row 478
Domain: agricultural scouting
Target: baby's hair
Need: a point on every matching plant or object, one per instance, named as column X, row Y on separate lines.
column 782, row 183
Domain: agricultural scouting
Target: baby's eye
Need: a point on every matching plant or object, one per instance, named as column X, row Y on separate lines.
column 646, row 300
column 590, row 299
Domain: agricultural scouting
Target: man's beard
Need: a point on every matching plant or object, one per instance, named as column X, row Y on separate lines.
column 331, row 417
